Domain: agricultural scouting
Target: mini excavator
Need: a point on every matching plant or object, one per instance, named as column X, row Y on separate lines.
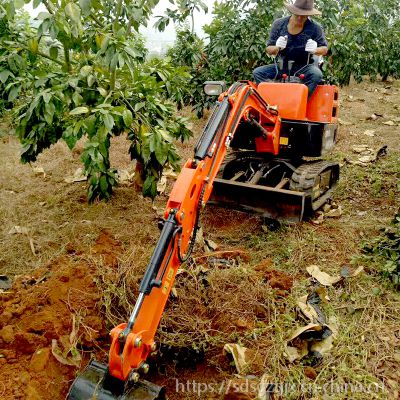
column 259, row 152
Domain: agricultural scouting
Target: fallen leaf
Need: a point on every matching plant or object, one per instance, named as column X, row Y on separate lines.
column 39, row 171
column 307, row 309
column 334, row 212
column 374, row 117
column 125, row 176
column 162, row 184
column 69, row 357
column 240, row 356
column 369, row 132
column 361, row 148
column 389, row 123
column 322, row 277
column 316, row 337
column 347, row 273
column 18, row 230
column 210, row 245
column 78, row 176
column 266, row 388
column 320, row 218
column 367, row 159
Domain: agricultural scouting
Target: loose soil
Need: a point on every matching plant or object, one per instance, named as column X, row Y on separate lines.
column 76, row 270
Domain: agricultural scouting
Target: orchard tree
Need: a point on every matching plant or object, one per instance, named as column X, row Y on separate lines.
column 80, row 70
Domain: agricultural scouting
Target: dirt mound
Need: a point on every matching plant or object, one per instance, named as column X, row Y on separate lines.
column 48, row 322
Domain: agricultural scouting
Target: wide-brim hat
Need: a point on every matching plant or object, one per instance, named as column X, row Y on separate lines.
column 303, row 7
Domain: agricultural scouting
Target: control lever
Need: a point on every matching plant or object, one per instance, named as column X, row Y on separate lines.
column 290, row 66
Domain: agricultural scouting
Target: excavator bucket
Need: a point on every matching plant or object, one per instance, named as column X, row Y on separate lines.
column 94, row 383
column 280, row 204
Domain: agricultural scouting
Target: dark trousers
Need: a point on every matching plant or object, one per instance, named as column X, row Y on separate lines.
column 312, row 75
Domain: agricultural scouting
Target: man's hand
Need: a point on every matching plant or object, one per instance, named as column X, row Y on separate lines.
column 281, row 42
column 311, row 46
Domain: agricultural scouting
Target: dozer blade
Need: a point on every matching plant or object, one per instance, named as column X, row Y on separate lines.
column 280, row 204
column 94, row 383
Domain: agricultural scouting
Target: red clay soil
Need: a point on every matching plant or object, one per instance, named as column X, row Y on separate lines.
column 42, row 308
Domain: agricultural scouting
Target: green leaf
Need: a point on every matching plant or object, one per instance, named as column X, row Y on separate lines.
column 108, row 121
column 49, row 110
column 36, row 3
column 4, row 75
column 19, row 4
column 77, row 98
column 150, row 187
column 13, row 94
column 85, row 6
column 138, row 106
column 104, row 184
column 90, row 80
column 127, row 117
column 53, row 52
column 70, row 138
column 79, row 110
column 161, row 152
column 102, row 91
column 73, row 11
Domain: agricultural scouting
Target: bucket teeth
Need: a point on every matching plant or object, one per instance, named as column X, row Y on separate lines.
column 95, row 383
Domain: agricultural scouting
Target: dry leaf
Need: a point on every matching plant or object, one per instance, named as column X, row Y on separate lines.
column 374, row 117
column 316, row 337
column 210, row 245
column 125, row 176
column 367, row 159
column 162, row 184
column 19, row 230
column 170, row 173
column 361, row 148
column 322, row 277
column 241, row 356
column 69, row 357
column 265, row 388
column 307, row 309
column 334, row 212
column 78, row 176
column 389, row 123
column 369, row 132
column 347, row 273
column 39, row 171
column 320, row 218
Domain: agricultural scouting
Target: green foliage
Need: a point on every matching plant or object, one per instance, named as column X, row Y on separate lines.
column 363, row 36
column 184, row 9
column 386, row 249
column 82, row 73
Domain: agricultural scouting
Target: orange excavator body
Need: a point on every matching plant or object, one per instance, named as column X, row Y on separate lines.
column 264, row 111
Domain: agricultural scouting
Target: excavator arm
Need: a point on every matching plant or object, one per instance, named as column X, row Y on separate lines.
column 132, row 342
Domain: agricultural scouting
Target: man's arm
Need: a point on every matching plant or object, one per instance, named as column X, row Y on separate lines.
column 272, row 50
column 321, row 51
column 320, row 38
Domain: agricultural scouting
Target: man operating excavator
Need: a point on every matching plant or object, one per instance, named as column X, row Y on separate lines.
column 296, row 38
